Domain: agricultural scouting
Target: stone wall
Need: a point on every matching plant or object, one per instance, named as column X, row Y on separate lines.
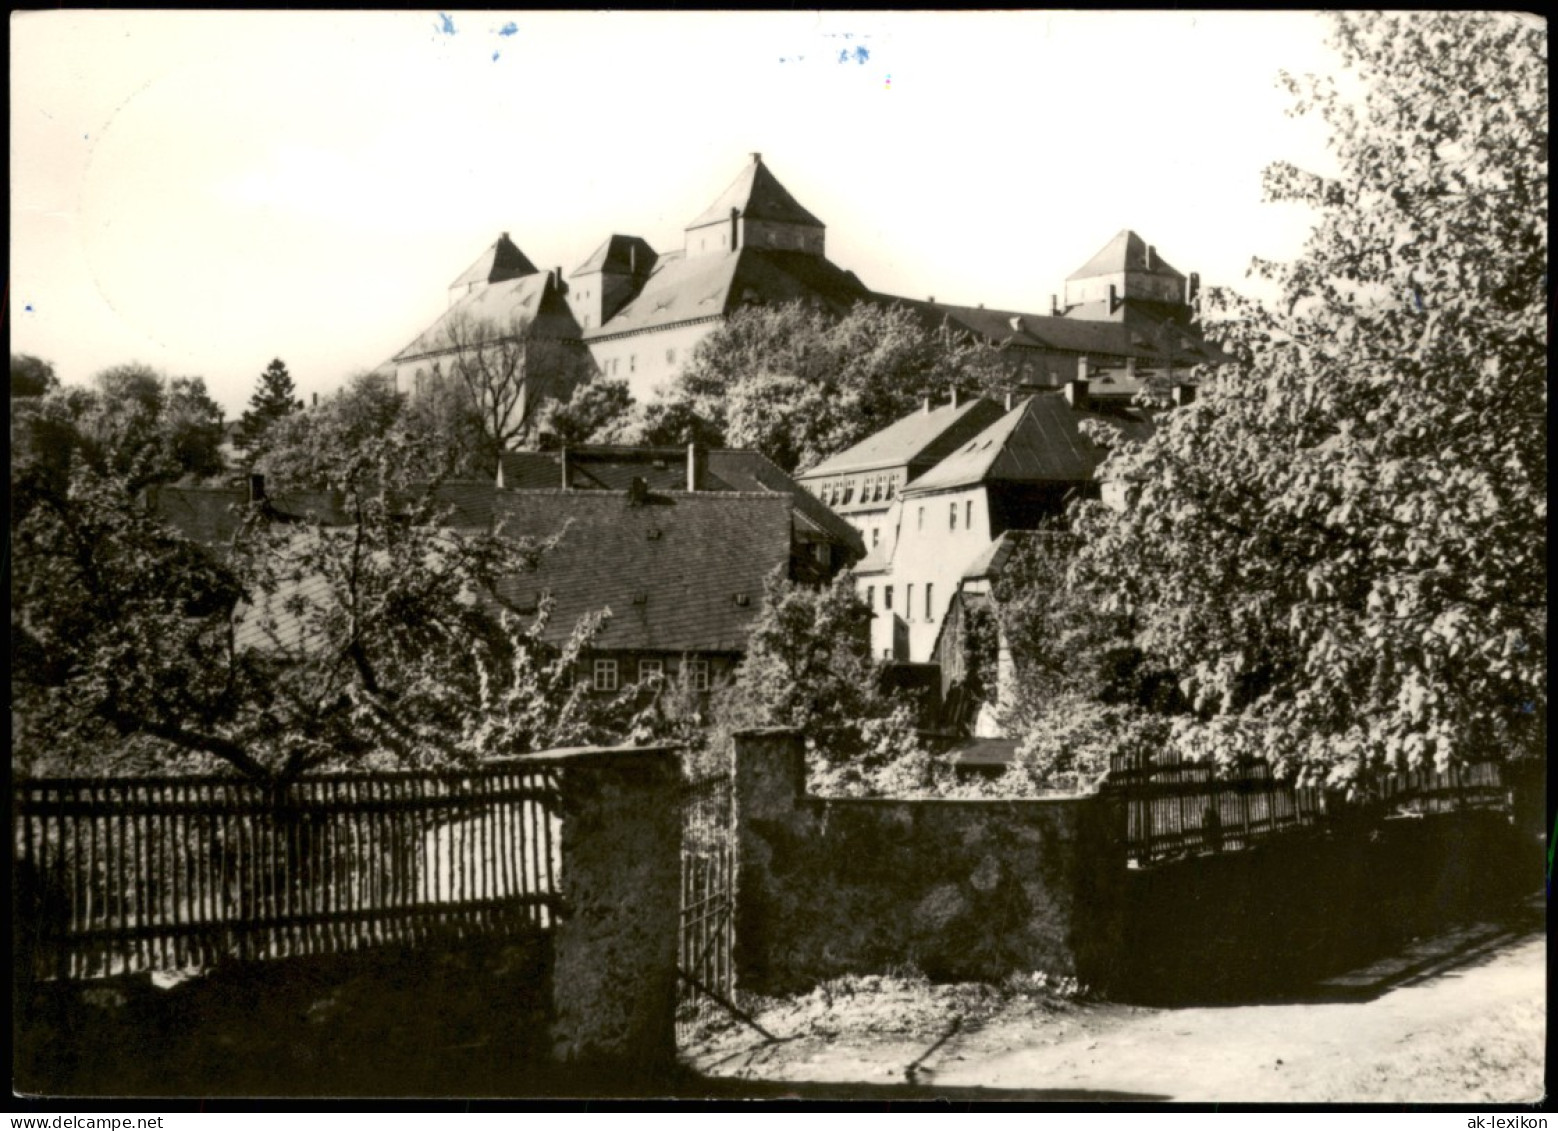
column 957, row 889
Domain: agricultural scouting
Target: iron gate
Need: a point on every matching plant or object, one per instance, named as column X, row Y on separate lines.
column 708, row 906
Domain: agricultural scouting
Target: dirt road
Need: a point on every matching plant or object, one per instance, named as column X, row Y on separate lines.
column 1457, row 1018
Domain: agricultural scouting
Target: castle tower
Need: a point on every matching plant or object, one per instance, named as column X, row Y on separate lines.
column 1127, row 269
column 503, row 260
column 608, row 279
column 755, row 211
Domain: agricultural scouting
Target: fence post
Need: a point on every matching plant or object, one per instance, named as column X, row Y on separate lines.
column 614, row 970
column 769, row 777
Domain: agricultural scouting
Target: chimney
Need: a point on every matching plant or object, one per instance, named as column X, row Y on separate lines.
column 928, row 406
column 638, row 492
column 1151, row 254
column 735, row 231
column 954, row 399
column 316, row 400
column 697, row 462
column 757, row 158
column 1054, row 306
column 1082, row 369
column 1183, row 395
column 1113, row 298
column 562, row 462
column 931, row 299
column 1192, row 289
column 256, row 487
column 1076, row 393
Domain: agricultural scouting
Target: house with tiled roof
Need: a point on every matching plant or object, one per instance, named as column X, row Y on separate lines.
column 1123, row 317
column 1001, row 466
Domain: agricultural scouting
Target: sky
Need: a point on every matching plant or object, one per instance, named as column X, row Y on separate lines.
column 204, row 191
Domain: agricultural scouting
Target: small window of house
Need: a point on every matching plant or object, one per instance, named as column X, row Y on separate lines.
column 696, row 673
column 605, row 675
column 953, row 518
column 632, row 363
column 876, row 535
column 908, row 600
column 870, row 596
column 887, row 596
column 922, row 518
column 892, row 486
column 930, row 608
column 650, row 669
column 968, row 515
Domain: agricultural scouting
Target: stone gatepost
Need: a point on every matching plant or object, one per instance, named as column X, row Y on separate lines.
column 614, row 971
column 769, row 780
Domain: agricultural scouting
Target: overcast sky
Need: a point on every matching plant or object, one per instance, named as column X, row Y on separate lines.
column 204, row 192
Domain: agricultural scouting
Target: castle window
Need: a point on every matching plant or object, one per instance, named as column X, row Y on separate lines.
column 887, row 596
column 953, row 517
column 908, row 601
column 968, row 514
column 670, row 357
column 930, row 609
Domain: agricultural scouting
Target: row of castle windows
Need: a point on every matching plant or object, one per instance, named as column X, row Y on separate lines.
column 873, row 489
column 611, row 366
column 908, row 600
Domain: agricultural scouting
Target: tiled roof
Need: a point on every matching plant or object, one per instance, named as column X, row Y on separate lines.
column 532, row 300
column 621, row 255
column 503, row 260
column 1144, row 336
column 757, row 195
column 1126, row 252
column 674, row 572
column 212, row 515
column 1039, row 441
column 709, row 286
column 917, row 440
column 613, row 468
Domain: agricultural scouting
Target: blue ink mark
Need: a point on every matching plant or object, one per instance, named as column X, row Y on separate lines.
column 494, row 56
column 889, row 82
column 29, row 308
column 509, row 28
column 861, row 55
column 447, row 26
column 843, row 56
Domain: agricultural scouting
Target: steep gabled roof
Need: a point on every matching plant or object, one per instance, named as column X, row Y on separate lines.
column 503, row 260
column 1039, row 441
column 919, row 439
column 709, row 286
column 1126, row 252
column 682, row 573
column 619, row 255
column 213, row 515
column 532, row 301
column 1149, row 331
column 753, row 471
column 757, row 195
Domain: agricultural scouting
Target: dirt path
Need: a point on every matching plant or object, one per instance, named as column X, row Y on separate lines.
column 1458, row 1018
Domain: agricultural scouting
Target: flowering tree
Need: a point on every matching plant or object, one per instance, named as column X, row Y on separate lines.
column 1341, row 547
column 380, row 640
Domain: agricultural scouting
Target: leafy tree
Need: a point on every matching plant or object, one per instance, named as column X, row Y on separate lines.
column 310, row 450
column 382, row 641
column 808, row 665
column 31, row 376
column 273, row 400
column 1341, row 546
column 597, row 412
column 798, row 383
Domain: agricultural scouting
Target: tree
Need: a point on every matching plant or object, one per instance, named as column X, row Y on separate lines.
column 310, row 450
column 31, row 376
column 1340, row 548
column 798, row 383
column 274, row 399
column 380, row 641
column 808, row 665
column 508, row 373
column 597, row 412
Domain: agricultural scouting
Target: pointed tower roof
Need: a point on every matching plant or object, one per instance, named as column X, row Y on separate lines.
column 620, row 255
column 1126, row 252
column 503, row 260
column 757, row 195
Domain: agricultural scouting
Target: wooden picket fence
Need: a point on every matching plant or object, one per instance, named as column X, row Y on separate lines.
column 123, row 875
column 1175, row 809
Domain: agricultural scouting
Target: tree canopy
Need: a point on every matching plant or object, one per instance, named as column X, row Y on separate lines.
column 1340, row 547
column 799, row 383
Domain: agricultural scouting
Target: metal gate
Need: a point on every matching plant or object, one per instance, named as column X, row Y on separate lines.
column 708, row 905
